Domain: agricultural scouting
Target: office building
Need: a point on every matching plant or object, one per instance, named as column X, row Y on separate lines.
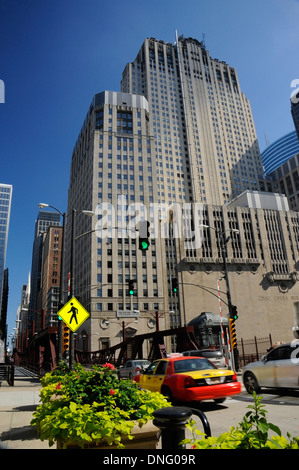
column 44, row 220
column 113, row 174
column 5, row 208
column 51, row 270
column 260, row 240
column 179, row 136
column 206, row 148
column 280, row 151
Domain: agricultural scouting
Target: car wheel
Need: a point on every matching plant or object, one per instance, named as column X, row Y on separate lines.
column 219, row 400
column 130, row 375
column 250, row 382
column 166, row 392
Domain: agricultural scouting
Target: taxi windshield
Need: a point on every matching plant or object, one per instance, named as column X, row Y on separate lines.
column 187, row 365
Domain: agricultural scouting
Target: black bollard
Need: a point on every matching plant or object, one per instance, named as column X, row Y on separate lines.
column 172, row 421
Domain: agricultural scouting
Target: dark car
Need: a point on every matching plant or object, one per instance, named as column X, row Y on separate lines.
column 215, row 355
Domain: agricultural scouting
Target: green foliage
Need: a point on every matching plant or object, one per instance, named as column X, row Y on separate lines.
column 82, row 405
column 251, row 433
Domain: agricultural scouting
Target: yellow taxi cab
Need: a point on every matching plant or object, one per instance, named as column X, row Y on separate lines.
column 188, row 378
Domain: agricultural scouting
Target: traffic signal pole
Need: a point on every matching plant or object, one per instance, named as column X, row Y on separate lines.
column 229, row 302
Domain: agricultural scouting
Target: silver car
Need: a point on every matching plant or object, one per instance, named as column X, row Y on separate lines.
column 132, row 367
column 279, row 368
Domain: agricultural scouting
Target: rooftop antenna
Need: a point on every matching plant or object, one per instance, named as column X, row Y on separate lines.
column 203, row 40
column 266, row 139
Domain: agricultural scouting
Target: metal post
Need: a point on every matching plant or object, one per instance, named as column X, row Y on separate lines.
column 229, row 302
column 71, row 344
column 172, row 422
column 157, row 320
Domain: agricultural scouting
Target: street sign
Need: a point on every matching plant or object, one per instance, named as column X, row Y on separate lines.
column 73, row 314
column 127, row 313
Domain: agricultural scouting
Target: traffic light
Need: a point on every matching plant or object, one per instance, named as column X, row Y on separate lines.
column 174, row 285
column 234, row 312
column 144, row 235
column 233, row 336
column 65, row 338
column 131, row 286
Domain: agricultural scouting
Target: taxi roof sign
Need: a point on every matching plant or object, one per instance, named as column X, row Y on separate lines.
column 73, row 314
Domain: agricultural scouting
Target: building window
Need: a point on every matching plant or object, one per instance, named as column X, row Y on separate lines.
column 124, row 122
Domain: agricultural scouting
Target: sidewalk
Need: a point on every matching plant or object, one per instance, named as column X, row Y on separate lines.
column 17, row 405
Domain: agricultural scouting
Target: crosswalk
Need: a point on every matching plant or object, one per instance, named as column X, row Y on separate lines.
column 23, row 372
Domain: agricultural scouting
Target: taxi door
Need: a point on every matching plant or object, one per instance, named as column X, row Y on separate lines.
column 159, row 375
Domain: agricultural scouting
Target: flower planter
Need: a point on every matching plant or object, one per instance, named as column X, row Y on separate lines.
column 145, row 437
column 94, row 409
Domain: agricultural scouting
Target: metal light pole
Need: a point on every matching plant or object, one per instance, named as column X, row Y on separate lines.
column 223, row 244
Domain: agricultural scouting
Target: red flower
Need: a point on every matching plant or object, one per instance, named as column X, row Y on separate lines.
column 108, row 365
column 58, row 386
column 112, row 392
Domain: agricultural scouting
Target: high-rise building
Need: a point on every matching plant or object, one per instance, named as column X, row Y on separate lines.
column 113, row 174
column 280, row 152
column 51, row 270
column 180, row 133
column 206, row 148
column 5, row 208
column 44, row 220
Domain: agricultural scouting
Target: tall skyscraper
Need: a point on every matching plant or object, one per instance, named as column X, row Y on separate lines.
column 112, row 173
column 5, row 208
column 206, row 148
column 44, row 220
column 180, row 132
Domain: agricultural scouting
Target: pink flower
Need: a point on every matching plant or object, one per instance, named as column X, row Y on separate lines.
column 108, row 365
column 58, row 386
column 112, row 392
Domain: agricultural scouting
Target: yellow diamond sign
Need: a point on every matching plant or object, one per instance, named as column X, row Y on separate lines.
column 73, row 314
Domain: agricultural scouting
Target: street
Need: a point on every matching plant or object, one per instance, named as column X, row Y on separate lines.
column 282, row 410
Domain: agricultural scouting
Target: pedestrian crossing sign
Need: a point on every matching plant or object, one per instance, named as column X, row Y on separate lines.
column 73, row 314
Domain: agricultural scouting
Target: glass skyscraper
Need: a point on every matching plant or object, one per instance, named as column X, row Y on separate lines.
column 5, row 207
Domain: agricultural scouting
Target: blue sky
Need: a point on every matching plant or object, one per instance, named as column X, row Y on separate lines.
column 56, row 54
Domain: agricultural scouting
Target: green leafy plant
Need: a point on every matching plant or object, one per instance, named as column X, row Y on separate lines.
column 251, row 433
column 84, row 406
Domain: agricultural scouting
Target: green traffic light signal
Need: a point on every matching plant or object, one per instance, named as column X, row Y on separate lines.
column 234, row 313
column 174, row 284
column 144, row 235
column 131, row 287
column 144, row 245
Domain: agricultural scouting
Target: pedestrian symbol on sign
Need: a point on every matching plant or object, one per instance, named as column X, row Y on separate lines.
column 73, row 314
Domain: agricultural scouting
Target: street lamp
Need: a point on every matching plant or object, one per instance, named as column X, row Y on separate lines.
column 223, row 242
column 42, row 205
